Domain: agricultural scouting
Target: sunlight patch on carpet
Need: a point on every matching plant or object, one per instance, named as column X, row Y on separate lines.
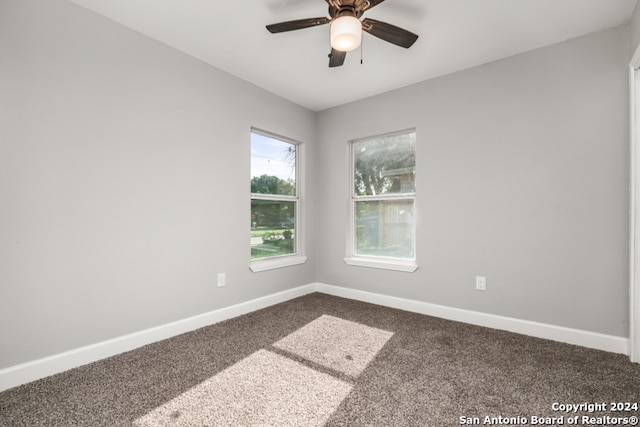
column 271, row 389
column 335, row 343
column 263, row 389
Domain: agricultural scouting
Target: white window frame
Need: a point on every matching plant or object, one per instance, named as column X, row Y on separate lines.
column 371, row 261
column 280, row 261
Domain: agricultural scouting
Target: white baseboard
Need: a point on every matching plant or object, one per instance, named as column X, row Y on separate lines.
column 579, row 337
column 37, row 369
column 41, row 368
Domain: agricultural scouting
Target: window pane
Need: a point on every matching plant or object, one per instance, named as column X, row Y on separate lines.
column 385, row 165
column 384, row 228
column 273, row 166
column 273, row 228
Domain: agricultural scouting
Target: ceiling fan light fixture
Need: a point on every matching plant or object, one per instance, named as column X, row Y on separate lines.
column 346, row 33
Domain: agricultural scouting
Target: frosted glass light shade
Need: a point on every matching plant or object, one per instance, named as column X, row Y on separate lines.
column 346, row 33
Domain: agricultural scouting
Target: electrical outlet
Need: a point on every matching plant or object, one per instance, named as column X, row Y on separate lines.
column 222, row 279
column 481, row 283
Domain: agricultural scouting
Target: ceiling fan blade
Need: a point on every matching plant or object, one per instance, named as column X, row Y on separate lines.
column 297, row 24
column 336, row 58
column 389, row 33
column 370, row 4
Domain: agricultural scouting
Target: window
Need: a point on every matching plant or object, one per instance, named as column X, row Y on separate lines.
column 275, row 202
column 382, row 206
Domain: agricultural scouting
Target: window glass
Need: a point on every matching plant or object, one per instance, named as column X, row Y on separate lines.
column 273, row 166
column 384, row 228
column 273, row 228
column 385, row 164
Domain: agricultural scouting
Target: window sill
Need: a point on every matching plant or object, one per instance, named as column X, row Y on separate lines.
column 397, row 265
column 276, row 262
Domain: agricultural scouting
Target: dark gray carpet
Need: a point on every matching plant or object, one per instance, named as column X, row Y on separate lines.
column 359, row 365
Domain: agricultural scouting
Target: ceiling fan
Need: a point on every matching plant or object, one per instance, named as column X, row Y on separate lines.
column 346, row 28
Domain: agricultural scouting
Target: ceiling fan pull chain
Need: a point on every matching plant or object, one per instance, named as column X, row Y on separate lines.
column 361, row 48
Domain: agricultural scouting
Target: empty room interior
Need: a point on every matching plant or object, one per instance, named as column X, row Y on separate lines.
column 211, row 215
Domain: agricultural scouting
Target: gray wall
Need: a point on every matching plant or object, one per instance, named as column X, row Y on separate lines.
column 522, row 177
column 124, row 180
column 635, row 29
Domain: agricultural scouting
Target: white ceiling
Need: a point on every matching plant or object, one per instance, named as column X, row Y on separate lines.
column 454, row 35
